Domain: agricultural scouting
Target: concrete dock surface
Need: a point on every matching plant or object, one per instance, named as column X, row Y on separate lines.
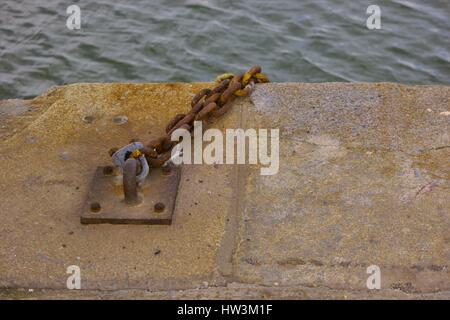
column 363, row 180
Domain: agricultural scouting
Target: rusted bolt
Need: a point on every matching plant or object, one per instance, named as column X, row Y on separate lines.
column 159, row 207
column 88, row 119
column 112, row 151
column 166, row 170
column 108, row 170
column 95, row 207
column 120, row 120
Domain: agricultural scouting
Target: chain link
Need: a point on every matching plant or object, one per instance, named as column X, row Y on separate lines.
column 206, row 103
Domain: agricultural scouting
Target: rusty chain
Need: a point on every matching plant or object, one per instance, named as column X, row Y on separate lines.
column 206, row 103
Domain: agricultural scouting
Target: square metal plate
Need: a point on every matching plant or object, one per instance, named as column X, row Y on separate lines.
column 105, row 201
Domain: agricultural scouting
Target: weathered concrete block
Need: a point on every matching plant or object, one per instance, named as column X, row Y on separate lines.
column 363, row 180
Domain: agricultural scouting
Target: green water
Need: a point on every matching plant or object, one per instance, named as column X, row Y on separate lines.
column 155, row 40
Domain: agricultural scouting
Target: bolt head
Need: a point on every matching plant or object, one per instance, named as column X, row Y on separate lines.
column 95, row 207
column 159, row 207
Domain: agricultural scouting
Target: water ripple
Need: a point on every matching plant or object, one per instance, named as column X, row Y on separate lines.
column 193, row 40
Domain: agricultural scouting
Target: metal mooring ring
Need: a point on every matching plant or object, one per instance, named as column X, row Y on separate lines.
column 119, row 159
